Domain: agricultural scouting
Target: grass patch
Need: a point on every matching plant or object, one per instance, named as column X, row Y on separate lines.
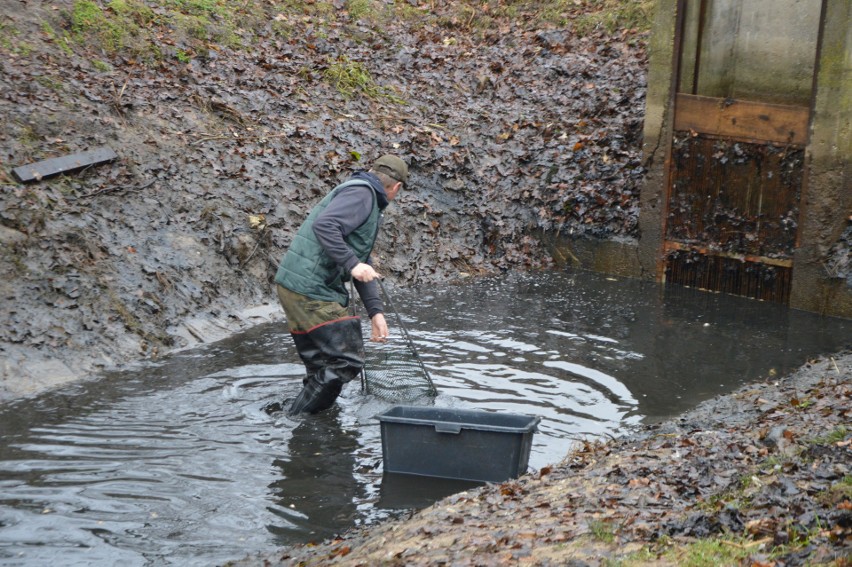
column 168, row 30
column 350, row 77
column 10, row 41
column 151, row 31
column 644, row 556
column 123, row 26
column 837, row 493
column 836, row 436
column 359, row 8
column 707, row 553
column 132, row 28
column 602, row 531
column 610, row 16
column 734, row 550
column 51, row 34
column 101, row 66
column 133, row 12
column 88, row 20
column 50, row 82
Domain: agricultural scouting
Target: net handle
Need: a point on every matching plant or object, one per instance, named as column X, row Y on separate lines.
column 407, row 337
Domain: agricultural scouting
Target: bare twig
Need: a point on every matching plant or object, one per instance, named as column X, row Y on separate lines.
column 114, row 189
column 194, row 333
column 256, row 246
column 118, row 95
column 746, row 545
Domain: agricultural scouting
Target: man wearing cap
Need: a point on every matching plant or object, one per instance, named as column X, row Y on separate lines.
column 331, row 248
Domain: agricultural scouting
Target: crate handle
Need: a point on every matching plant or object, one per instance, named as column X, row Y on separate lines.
column 448, row 428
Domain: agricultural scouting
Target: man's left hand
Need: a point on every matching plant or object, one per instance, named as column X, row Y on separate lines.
column 364, row 273
column 379, row 332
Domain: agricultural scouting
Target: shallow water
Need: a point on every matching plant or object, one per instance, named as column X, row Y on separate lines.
column 177, row 464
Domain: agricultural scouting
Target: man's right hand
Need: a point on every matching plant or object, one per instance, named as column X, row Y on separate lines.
column 364, row 273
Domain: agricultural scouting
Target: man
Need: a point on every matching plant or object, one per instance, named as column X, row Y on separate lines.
column 331, row 248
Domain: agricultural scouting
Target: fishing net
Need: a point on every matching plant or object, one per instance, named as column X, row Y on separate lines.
column 393, row 372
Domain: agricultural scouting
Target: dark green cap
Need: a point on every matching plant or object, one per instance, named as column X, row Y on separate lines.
column 392, row 166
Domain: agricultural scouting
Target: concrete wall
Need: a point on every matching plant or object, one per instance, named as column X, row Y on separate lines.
column 657, row 134
column 751, row 53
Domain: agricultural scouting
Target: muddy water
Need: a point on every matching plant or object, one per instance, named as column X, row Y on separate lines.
column 177, row 464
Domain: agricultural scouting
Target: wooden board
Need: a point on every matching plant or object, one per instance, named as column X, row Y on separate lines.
column 736, row 197
column 742, row 119
column 65, row 164
column 669, row 246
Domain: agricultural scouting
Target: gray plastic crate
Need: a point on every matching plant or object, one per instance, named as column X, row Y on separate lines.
column 456, row 443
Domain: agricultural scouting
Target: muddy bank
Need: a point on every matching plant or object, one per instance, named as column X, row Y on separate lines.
column 512, row 125
column 764, row 471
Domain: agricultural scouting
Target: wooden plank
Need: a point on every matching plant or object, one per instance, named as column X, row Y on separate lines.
column 742, row 119
column 740, row 197
column 65, row 164
column 670, row 245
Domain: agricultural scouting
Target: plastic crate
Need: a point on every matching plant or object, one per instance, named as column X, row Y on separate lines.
column 456, row 443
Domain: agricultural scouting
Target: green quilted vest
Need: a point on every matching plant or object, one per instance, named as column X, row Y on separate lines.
column 308, row 270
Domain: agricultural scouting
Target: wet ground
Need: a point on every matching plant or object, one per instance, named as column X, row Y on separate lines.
column 176, row 463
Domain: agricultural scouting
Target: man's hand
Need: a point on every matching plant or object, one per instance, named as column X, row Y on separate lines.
column 379, row 332
column 364, row 273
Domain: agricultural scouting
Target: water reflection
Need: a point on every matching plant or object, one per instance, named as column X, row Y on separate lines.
column 317, row 491
column 177, row 464
column 407, row 492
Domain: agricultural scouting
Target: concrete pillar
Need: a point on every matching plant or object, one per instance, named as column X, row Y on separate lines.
column 827, row 201
column 657, row 133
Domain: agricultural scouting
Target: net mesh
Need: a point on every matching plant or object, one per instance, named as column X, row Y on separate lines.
column 393, row 372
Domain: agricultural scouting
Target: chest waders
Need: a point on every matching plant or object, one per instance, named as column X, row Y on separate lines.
column 333, row 354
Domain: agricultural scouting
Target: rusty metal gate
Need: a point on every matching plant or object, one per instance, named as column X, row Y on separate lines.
column 736, row 159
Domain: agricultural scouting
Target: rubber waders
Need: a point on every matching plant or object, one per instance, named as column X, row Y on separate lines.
column 333, row 354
